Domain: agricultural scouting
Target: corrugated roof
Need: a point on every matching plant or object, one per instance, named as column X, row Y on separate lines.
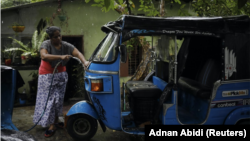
column 27, row 5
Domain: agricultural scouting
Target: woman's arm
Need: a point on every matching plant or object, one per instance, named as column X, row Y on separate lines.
column 49, row 57
column 79, row 55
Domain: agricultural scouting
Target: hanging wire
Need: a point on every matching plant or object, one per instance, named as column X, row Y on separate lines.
column 19, row 17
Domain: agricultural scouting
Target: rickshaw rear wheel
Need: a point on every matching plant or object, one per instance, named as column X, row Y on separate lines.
column 81, row 127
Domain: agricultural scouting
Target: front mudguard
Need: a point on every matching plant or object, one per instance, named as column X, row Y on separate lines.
column 84, row 107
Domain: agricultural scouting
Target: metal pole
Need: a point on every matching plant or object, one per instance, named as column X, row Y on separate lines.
column 124, row 98
column 175, row 61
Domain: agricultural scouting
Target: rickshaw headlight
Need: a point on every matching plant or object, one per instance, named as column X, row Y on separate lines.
column 96, row 85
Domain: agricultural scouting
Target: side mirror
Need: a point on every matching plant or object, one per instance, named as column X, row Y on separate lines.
column 123, row 51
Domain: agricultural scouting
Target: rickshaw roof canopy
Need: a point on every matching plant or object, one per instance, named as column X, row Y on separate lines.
column 220, row 25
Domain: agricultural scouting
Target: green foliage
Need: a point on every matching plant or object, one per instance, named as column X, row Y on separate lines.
column 105, row 5
column 221, row 7
column 201, row 7
column 8, row 54
column 138, row 41
column 63, row 17
column 177, row 1
column 79, row 81
column 10, row 3
column 34, row 74
column 16, row 24
column 182, row 11
column 36, row 43
column 148, row 8
column 241, row 3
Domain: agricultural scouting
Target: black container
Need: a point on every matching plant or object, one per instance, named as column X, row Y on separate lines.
column 143, row 109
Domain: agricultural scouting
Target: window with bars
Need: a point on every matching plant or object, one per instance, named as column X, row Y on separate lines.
column 133, row 60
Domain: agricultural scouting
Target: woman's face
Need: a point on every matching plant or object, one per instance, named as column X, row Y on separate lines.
column 56, row 38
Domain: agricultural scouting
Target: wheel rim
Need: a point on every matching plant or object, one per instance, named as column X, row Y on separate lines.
column 81, row 126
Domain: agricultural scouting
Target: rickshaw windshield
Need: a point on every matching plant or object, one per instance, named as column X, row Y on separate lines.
column 106, row 50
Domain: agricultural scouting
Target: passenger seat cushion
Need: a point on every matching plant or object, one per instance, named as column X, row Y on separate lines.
column 143, row 89
column 195, row 88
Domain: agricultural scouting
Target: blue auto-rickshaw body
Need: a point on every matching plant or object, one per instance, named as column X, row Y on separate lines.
column 110, row 97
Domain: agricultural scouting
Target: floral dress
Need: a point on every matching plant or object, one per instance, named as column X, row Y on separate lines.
column 55, row 101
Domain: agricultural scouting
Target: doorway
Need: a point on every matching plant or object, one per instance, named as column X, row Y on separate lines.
column 71, row 88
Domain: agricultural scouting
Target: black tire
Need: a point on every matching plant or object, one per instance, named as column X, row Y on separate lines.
column 244, row 122
column 81, row 127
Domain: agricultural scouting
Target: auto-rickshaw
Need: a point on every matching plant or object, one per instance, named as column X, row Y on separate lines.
column 200, row 76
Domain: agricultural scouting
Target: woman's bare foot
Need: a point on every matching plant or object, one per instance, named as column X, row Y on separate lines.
column 52, row 127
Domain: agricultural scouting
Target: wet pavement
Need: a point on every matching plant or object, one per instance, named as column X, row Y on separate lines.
column 23, row 116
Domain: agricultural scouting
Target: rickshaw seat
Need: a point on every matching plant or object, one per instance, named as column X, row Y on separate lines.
column 194, row 87
column 209, row 73
column 202, row 87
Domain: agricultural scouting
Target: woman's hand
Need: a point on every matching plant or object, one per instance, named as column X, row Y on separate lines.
column 86, row 64
column 66, row 57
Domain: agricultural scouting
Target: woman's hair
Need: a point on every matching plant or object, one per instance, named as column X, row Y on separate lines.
column 51, row 30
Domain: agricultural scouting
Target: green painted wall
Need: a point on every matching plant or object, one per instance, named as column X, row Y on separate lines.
column 84, row 20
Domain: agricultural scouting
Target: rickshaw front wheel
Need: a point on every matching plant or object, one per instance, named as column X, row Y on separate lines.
column 81, row 127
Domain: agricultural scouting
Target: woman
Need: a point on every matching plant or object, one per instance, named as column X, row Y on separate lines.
column 52, row 51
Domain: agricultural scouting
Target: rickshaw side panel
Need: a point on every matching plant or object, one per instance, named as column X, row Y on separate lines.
column 83, row 107
column 232, row 86
column 233, row 117
column 223, row 109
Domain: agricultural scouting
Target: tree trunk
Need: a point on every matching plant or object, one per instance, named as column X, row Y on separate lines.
column 143, row 68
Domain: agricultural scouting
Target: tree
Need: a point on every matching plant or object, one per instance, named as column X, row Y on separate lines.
column 221, row 7
column 201, row 7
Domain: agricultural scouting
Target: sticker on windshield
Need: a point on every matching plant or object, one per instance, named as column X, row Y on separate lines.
column 234, row 93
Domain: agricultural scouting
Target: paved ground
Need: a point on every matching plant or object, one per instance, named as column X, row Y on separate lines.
column 22, row 118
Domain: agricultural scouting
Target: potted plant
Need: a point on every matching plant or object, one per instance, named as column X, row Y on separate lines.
column 62, row 16
column 32, row 52
column 18, row 27
column 7, row 56
column 8, row 59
